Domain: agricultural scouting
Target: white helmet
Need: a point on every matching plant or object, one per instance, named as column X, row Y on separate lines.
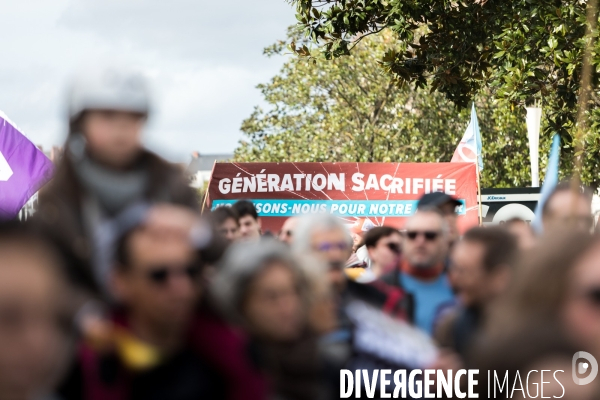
column 109, row 88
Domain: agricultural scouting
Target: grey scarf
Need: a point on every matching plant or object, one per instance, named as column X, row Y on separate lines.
column 113, row 190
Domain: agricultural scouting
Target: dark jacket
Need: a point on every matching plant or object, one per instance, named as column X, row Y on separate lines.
column 61, row 211
column 458, row 330
column 295, row 369
column 215, row 363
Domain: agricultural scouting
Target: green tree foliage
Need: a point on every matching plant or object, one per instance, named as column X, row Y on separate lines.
column 522, row 51
column 349, row 109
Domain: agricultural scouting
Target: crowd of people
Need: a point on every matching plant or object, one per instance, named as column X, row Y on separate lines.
column 119, row 288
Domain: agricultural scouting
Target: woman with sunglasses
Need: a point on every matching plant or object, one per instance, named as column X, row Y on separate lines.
column 383, row 244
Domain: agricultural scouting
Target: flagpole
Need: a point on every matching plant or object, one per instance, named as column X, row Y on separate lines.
column 204, row 201
column 479, row 192
column 471, row 135
column 208, row 188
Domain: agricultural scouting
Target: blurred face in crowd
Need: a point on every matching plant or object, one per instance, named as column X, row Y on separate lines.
column 333, row 246
column 565, row 207
column 475, row 286
column 287, row 230
column 425, row 244
column 272, row 307
column 113, row 137
column 160, row 286
column 449, row 211
column 385, row 255
column 523, row 232
column 249, row 227
column 356, row 240
column 229, row 229
column 581, row 312
column 33, row 342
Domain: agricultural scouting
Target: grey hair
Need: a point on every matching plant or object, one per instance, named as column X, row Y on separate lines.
column 240, row 265
column 311, row 223
column 434, row 210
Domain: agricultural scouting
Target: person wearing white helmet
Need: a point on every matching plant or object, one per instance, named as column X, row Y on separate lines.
column 106, row 178
column 108, row 107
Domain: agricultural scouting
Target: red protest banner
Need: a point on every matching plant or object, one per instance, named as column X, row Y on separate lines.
column 385, row 193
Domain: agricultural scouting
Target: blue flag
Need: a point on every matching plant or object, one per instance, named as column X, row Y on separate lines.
column 550, row 182
column 469, row 148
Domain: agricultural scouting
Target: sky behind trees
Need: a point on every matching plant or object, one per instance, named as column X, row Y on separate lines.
column 204, row 59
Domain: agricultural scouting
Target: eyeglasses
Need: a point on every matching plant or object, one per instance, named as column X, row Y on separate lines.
column 429, row 235
column 394, row 247
column 328, row 246
column 161, row 275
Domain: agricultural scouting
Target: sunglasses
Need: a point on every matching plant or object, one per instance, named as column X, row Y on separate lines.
column 394, row 247
column 429, row 235
column 160, row 276
column 327, row 246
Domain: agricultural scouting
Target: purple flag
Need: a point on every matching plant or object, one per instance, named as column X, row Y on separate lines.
column 24, row 169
